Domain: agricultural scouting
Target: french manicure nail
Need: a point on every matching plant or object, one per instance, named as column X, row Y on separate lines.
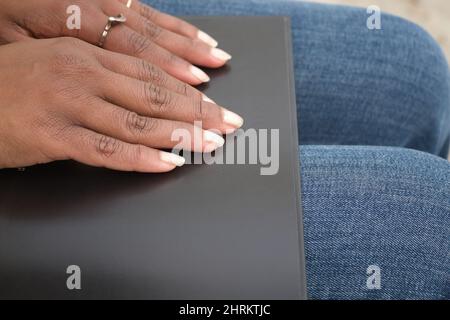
column 212, row 141
column 172, row 158
column 207, row 99
column 220, row 54
column 207, row 39
column 199, row 74
column 232, row 118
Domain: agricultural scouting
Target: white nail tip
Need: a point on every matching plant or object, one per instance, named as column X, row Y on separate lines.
column 207, row 39
column 207, row 99
column 232, row 119
column 172, row 158
column 199, row 74
column 220, row 54
column 211, row 137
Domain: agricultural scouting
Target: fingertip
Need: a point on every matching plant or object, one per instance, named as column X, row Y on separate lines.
column 221, row 55
column 212, row 141
column 232, row 119
column 171, row 160
column 199, row 74
column 206, row 38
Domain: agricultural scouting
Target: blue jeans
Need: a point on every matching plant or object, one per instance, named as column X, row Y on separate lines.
column 367, row 99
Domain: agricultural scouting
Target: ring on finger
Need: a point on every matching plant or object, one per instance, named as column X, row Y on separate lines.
column 112, row 21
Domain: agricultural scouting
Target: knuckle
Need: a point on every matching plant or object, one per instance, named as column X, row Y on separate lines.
column 107, row 146
column 138, row 44
column 173, row 60
column 65, row 62
column 152, row 73
column 158, row 98
column 137, row 124
column 152, row 30
column 56, row 127
column 147, row 12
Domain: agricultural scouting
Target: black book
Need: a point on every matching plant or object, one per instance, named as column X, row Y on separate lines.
column 221, row 231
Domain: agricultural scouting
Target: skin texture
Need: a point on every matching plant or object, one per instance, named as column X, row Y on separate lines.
column 66, row 99
column 163, row 40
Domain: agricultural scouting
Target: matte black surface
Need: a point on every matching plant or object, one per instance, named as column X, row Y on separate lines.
column 200, row 232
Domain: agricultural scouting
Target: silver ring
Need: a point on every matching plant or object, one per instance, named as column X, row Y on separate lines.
column 129, row 3
column 112, row 21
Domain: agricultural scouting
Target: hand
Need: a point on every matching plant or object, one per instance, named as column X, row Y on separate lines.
column 163, row 40
column 66, row 99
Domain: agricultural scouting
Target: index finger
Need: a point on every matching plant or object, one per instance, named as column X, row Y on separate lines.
column 171, row 23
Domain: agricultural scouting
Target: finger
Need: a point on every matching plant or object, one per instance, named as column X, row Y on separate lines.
column 145, row 71
column 128, row 126
column 123, row 39
column 99, row 150
column 150, row 100
column 194, row 51
column 171, row 23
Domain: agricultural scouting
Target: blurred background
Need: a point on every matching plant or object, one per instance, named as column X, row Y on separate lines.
column 433, row 15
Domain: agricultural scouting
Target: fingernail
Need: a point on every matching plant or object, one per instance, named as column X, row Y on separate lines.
column 207, row 99
column 212, row 141
column 207, row 39
column 220, row 54
column 232, row 118
column 199, row 74
column 172, row 158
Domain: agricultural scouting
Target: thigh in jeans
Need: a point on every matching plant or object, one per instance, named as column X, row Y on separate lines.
column 355, row 86
column 382, row 207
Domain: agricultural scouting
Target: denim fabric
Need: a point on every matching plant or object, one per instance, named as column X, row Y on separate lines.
column 373, row 205
column 381, row 206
